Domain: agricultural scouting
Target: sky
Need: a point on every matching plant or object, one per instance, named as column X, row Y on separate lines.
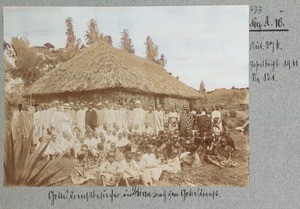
column 201, row 43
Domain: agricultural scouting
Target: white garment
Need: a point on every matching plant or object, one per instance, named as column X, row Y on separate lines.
column 15, row 124
column 81, row 120
column 159, row 120
column 38, row 126
column 138, row 117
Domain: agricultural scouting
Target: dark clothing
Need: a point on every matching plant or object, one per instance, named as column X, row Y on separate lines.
column 91, row 119
column 200, row 123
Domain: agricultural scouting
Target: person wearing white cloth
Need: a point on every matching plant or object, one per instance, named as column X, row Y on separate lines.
column 138, row 115
column 217, row 114
column 81, row 118
column 159, row 119
column 151, row 162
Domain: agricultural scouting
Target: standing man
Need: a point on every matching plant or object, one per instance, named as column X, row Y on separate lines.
column 200, row 120
column 138, row 114
column 224, row 115
column 15, row 123
column 187, row 120
column 100, row 115
column 73, row 113
column 91, row 117
column 217, row 114
column 81, row 118
column 26, row 123
column 173, row 120
column 159, row 119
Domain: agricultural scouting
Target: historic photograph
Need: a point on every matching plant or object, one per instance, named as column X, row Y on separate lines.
column 126, row 96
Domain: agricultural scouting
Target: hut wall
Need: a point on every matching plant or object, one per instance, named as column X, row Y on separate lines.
column 179, row 103
column 116, row 96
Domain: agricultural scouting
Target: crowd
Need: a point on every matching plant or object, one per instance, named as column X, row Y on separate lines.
column 121, row 142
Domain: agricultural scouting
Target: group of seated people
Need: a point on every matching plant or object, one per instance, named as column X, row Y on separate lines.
column 139, row 158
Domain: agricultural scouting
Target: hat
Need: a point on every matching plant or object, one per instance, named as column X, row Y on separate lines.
column 99, row 104
column 138, row 102
column 90, row 103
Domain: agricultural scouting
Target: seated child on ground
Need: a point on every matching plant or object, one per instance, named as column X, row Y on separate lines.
column 129, row 169
column 110, row 171
column 80, row 173
column 145, row 173
column 151, row 162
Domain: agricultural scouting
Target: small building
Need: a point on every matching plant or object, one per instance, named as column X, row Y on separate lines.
column 102, row 72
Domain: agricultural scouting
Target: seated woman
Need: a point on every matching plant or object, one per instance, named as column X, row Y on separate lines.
column 109, row 171
column 129, row 169
column 190, row 159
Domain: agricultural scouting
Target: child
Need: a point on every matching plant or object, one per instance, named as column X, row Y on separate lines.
column 53, row 148
column 151, row 163
column 80, row 174
column 145, row 173
column 77, row 146
column 91, row 144
column 118, row 155
column 109, row 171
column 129, row 169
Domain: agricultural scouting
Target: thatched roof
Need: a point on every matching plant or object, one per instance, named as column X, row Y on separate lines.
column 102, row 66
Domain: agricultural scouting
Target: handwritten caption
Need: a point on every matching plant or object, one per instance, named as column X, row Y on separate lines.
column 135, row 192
column 269, row 45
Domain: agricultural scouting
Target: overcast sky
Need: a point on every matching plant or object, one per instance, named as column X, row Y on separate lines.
column 208, row 43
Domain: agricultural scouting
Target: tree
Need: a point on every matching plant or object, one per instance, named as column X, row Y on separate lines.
column 27, row 61
column 92, row 34
column 108, row 39
column 71, row 39
column 126, row 42
column 202, row 87
column 162, row 61
column 151, row 49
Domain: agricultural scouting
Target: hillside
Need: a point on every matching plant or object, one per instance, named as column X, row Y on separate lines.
column 231, row 98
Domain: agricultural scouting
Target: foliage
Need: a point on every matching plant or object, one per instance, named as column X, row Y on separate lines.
column 202, row 87
column 92, row 34
column 71, row 38
column 21, row 167
column 126, row 42
column 152, row 52
column 151, row 49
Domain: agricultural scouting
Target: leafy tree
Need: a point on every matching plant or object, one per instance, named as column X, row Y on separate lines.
column 202, row 87
column 162, row 61
column 108, row 39
column 71, row 39
column 92, row 34
column 151, row 49
column 126, row 42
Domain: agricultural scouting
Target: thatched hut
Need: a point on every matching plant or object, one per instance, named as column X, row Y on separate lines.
column 102, row 72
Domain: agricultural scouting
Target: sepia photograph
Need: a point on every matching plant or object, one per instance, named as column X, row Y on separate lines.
column 126, row 96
